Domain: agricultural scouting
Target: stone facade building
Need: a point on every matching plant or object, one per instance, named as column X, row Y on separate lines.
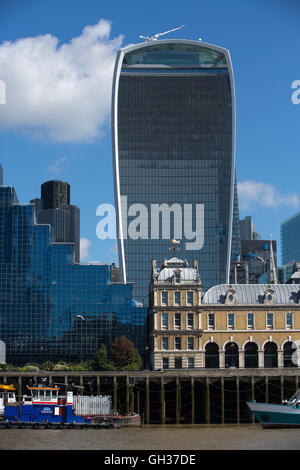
column 230, row 325
column 175, row 315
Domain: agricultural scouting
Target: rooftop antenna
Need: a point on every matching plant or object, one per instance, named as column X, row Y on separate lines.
column 156, row 36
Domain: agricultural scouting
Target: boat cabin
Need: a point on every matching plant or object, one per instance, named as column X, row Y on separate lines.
column 47, row 396
column 40, row 394
column 7, row 395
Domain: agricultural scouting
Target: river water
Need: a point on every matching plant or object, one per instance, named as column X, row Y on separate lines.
column 197, row 437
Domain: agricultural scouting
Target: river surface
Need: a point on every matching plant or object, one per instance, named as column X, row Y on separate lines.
column 201, row 437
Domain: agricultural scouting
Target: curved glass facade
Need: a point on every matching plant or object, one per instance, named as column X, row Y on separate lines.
column 174, row 54
column 173, row 129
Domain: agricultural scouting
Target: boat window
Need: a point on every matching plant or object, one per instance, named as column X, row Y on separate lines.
column 48, row 393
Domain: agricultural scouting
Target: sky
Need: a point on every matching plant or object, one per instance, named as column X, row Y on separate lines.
column 57, row 59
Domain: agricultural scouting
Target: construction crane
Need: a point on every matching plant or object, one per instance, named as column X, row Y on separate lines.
column 156, row 36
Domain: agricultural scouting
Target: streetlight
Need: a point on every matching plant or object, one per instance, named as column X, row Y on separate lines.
column 82, row 318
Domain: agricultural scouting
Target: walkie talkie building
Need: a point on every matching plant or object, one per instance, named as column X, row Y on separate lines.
column 173, row 123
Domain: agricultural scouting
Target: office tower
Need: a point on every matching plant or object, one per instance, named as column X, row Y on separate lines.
column 54, row 208
column 51, row 308
column 252, row 260
column 290, row 239
column 255, row 261
column 55, row 193
column 173, row 124
column 247, row 229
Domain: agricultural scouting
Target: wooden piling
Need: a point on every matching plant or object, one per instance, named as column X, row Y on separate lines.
column 237, row 400
column 177, row 400
column 20, row 388
column 127, row 395
column 252, row 397
column 207, row 402
column 147, row 401
column 138, row 402
column 222, row 401
column 162, row 401
column 115, row 400
column 193, row 399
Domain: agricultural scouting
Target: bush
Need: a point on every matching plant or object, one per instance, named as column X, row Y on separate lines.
column 8, row 367
column 61, row 366
column 30, row 367
column 48, row 365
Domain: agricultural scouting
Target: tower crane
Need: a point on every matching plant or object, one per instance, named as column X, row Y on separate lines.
column 156, row 36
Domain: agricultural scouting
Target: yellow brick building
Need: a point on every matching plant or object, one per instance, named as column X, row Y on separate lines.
column 240, row 325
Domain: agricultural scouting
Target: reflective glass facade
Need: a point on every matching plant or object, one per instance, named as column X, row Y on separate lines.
column 51, row 308
column 290, row 236
column 173, row 142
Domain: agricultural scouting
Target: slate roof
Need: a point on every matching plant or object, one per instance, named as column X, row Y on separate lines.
column 251, row 294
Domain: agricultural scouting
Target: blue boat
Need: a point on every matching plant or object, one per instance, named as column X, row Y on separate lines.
column 284, row 415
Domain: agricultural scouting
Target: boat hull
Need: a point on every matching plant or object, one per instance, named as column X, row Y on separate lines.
column 272, row 415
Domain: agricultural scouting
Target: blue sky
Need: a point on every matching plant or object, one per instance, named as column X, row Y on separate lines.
column 56, row 59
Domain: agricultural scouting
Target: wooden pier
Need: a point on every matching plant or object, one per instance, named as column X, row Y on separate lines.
column 207, row 396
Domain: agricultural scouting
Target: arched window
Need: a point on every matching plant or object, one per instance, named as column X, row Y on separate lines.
column 212, row 356
column 231, row 355
column 251, row 355
column 270, row 355
column 289, row 358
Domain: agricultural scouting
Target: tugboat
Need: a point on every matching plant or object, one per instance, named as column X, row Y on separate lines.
column 44, row 407
column 283, row 415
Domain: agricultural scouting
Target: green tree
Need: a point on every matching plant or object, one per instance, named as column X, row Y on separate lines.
column 136, row 363
column 101, row 361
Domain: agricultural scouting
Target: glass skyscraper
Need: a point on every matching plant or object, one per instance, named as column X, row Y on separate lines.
column 50, row 307
column 173, row 122
column 290, row 239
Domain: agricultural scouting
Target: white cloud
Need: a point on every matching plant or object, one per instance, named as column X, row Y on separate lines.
column 59, row 91
column 57, row 166
column 253, row 193
column 84, row 249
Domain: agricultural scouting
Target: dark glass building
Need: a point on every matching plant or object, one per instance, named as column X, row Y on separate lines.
column 55, row 193
column 54, row 208
column 173, row 121
column 50, row 307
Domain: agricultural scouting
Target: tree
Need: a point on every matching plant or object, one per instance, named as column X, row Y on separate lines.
column 136, row 364
column 122, row 352
column 101, row 361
